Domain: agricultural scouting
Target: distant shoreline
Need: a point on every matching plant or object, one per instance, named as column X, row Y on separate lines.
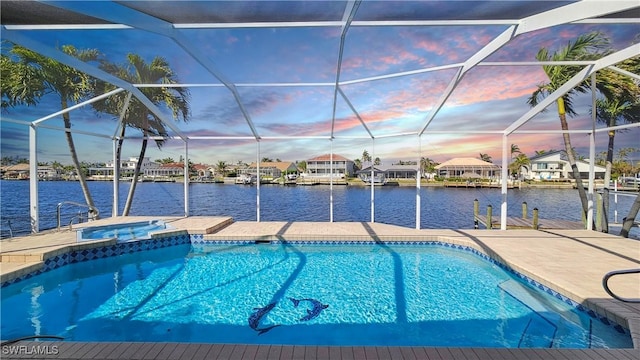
column 391, row 183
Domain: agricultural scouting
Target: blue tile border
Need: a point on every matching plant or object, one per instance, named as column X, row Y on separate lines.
column 76, row 256
column 160, row 241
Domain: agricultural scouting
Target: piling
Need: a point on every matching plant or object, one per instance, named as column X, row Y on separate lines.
column 599, row 212
column 476, row 211
column 535, row 219
column 524, row 210
column 489, row 212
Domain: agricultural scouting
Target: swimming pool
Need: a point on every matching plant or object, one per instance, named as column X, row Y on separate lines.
column 306, row 294
column 122, row 232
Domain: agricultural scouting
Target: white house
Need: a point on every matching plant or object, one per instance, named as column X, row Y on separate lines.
column 395, row 171
column 321, row 166
column 468, row 168
column 49, row 173
column 554, row 166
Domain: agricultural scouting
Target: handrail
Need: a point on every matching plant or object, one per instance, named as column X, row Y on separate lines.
column 609, row 275
column 92, row 214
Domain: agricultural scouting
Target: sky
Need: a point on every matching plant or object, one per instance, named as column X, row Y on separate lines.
column 489, row 98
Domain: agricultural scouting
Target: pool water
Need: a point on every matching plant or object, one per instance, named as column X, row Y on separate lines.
column 298, row 294
column 123, row 232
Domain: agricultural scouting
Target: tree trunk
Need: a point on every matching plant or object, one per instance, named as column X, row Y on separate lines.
column 134, row 181
column 607, row 180
column 627, row 222
column 571, row 158
column 76, row 163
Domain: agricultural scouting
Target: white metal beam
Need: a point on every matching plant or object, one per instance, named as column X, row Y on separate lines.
column 625, row 72
column 403, row 73
column 186, row 179
column 347, row 16
column 34, row 204
column 504, row 175
column 580, row 10
column 309, row 24
column 77, row 106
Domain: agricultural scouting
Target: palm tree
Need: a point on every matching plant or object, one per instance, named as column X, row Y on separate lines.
column 38, row 76
column 518, row 163
column 485, row 157
column 366, row 157
column 167, row 160
column 586, row 47
column 138, row 116
column 266, row 159
column 427, row 165
column 222, row 167
column 515, row 149
column 377, row 161
column 615, row 108
column 358, row 163
column 302, row 165
column 612, row 112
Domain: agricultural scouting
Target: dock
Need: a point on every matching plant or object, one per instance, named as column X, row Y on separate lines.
column 474, row 184
column 320, row 180
column 525, row 222
column 520, row 223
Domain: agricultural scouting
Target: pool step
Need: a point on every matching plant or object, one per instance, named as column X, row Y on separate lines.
column 561, row 318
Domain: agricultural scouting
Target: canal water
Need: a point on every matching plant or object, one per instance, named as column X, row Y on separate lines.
column 448, row 208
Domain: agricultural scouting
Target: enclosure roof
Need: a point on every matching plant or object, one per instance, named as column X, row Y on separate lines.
column 27, row 12
column 260, row 70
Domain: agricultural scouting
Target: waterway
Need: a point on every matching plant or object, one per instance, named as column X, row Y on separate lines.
column 448, row 208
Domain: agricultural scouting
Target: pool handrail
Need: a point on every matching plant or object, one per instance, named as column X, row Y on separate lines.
column 92, row 214
column 609, row 275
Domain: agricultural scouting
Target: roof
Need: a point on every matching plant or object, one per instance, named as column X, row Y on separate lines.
column 396, row 167
column 547, row 154
column 466, row 162
column 327, row 157
column 172, row 166
column 201, row 166
column 281, row 165
column 16, row 167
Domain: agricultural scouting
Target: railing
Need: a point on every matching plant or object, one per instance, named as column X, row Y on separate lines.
column 611, row 274
column 5, row 227
column 92, row 214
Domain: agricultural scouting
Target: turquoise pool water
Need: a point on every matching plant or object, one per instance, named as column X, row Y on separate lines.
column 298, row 294
column 123, row 232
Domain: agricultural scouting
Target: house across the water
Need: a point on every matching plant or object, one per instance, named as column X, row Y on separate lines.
column 555, row 166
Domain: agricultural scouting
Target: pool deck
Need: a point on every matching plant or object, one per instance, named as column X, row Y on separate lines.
column 571, row 262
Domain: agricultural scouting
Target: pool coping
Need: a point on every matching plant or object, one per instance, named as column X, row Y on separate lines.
column 614, row 311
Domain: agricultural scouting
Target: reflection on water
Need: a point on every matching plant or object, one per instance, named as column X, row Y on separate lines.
column 35, row 311
column 441, row 207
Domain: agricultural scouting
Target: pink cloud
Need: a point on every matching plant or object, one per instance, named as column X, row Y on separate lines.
column 500, row 83
column 435, row 47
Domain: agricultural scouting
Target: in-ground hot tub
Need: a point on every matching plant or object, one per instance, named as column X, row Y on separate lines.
column 123, row 232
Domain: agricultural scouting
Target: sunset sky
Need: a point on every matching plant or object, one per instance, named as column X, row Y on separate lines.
column 489, row 98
